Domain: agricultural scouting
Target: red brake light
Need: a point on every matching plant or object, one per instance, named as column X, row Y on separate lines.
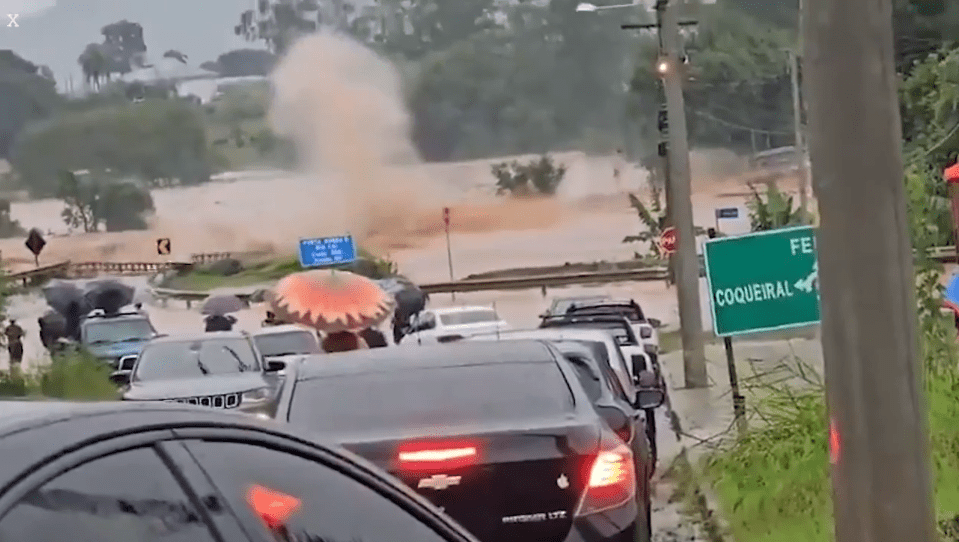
column 274, row 507
column 611, row 481
column 432, row 456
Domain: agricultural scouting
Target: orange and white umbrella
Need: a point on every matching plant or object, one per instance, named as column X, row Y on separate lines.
column 330, row 301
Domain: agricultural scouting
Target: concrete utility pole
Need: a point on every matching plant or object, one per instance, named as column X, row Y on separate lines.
column 680, row 200
column 880, row 473
column 800, row 141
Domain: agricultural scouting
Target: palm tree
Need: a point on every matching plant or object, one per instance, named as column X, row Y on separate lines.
column 93, row 63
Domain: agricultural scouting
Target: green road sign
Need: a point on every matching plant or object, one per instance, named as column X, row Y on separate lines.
column 763, row 281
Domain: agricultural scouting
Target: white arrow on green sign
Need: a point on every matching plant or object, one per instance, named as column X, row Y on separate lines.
column 763, row 281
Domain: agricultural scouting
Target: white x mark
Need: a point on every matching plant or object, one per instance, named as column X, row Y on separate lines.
column 13, row 20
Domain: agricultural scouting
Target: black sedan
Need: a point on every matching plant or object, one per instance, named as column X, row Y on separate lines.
column 502, row 436
column 175, row 473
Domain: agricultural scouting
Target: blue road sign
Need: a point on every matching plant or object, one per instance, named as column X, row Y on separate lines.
column 727, row 212
column 324, row 251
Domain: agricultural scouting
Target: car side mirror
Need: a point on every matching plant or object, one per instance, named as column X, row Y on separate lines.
column 120, row 378
column 655, row 322
column 275, row 365
column 648, row 392
column 650, row 398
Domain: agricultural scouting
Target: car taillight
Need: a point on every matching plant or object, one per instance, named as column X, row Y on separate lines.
column 448, row 338
column 426, row 457
column 645, row 332
column 611, row 481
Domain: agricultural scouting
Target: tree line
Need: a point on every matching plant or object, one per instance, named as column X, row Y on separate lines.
column 481, row 79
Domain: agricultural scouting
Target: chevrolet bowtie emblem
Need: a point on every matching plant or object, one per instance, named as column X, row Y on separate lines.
column 439, row 482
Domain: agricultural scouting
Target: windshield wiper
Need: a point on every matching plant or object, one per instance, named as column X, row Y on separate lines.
column 203, row 368
column 239, row 362
column 131, row 339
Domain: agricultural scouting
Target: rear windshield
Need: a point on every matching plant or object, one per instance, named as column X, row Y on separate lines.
column 431, row 397
column 468, row 317
column 113, row 331
column 287, row 344
column 635, row 314
column 562, row 305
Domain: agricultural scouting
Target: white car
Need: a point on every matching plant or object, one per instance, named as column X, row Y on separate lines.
column 452, row 324
column 286, row 340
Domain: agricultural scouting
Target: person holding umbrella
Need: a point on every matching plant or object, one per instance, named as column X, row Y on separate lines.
column 339, row 304
column 218, row 309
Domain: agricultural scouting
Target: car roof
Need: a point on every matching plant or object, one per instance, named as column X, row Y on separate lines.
column 400, row 358
column 466, row 308
column 546, row 334
column 115, row 317
column 282, row 328
column 590, row 318
column 200, row 336
column 31, row 430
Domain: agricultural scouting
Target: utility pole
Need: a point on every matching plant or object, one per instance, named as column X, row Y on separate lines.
column 879, row 435
column 800, row 140
column 680, row 202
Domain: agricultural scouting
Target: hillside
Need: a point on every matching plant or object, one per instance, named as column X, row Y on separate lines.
column 55, row 37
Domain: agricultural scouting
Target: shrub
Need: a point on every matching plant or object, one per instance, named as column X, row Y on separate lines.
column 77, row 376
column 541, row 176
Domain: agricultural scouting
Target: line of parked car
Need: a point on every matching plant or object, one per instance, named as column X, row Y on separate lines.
column 496, row 435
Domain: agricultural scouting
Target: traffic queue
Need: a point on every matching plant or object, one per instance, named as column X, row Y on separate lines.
column 464, row 430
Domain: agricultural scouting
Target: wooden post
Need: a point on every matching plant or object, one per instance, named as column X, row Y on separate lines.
column 879, row 429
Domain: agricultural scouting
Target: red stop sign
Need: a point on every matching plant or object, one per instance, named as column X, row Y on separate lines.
column 667, row 241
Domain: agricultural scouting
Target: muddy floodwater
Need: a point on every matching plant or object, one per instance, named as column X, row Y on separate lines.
column 587, row 221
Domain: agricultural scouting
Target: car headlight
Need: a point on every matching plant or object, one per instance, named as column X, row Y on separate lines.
column 256, row 396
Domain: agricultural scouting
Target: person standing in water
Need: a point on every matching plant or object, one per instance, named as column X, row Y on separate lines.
column 14, row 336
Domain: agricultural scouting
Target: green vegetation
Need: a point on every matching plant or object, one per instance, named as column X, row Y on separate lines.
column 206, row 278
column 772, row 211
column 256, row 274
column 774, row 483
column 538, row 176
column 73, row 377
column 158, row 141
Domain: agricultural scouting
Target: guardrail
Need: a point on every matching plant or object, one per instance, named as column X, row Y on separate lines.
column 91, row 269
column 85, row 269
column 201, row 258
column 57, row 270
column 479, row 285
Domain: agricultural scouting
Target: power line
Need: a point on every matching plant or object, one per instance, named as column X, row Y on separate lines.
column 738, row 126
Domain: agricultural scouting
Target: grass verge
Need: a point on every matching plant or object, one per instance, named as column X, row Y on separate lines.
column 74, row 377
column 267, row 271
column 774, row 486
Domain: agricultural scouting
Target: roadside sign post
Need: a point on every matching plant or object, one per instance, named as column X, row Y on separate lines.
column 35, row 243
column 762, row 281
column 726, row 213
column 739, row 401
column 327, row 251
column 666, row 246
column 449, row 249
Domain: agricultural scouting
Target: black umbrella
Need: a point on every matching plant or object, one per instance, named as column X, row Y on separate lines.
column 109, row 295
column 60, row 295
column 53, row 326
column 222, row 304
column 409, row 301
